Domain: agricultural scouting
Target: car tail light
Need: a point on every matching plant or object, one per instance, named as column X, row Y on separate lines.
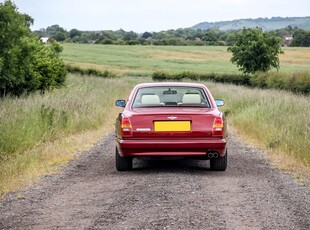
column 126, row 127
column 218, row 127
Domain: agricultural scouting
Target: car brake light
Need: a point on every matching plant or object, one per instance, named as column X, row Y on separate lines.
column 218, row 127
column 126, row 127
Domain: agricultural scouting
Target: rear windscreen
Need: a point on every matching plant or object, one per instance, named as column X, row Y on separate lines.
column 179, row 96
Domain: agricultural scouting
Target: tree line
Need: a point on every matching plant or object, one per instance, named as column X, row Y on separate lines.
column 28, row 65
column 187, row 36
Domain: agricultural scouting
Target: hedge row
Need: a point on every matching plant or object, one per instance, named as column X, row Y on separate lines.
column 296, row 82
column 90, row 71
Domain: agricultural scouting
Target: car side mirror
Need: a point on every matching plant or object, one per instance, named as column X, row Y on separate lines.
column 120, row 103
column 219, row 102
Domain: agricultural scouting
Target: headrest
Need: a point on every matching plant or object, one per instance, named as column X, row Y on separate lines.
column 150, row 99
column 191, row 99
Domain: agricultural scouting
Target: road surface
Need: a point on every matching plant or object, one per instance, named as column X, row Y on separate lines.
column 90, row 194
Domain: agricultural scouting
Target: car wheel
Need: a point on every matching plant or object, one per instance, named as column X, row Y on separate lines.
column 219, row 164
column 122, row 163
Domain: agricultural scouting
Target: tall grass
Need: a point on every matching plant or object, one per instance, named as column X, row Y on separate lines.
column 274, row 119
column 33, row 128
column 84, row 104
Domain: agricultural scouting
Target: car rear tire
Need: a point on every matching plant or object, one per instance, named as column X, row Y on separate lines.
column 122, row 163
column 219, row 164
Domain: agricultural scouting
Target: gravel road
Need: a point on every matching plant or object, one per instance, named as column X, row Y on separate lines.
column 90, row 194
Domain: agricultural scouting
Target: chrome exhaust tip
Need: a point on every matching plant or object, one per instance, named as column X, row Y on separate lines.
column 212, row 154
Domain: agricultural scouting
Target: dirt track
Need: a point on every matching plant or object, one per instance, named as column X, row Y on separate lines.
column 91, row 194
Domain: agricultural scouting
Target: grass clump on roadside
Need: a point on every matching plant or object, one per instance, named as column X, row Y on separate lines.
column 273, row 119
column 29, row 123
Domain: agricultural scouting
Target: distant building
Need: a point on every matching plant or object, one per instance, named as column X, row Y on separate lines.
column 44, row 40
column 287, row 40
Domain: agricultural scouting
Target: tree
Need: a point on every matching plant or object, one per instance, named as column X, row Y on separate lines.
column 129, row 36
column 256, row 51
column 301, row 38
column 74, row 32
column 57, row 32
column 210, row 37
column 26, row 64
column 146, row 35
column 230, row 38
column 14, row 47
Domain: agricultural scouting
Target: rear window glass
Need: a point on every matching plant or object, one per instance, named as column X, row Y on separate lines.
column 179, row 96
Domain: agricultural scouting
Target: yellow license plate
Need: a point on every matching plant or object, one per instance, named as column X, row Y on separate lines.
column 172, row 126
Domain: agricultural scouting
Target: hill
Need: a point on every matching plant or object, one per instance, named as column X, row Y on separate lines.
column 266, row 24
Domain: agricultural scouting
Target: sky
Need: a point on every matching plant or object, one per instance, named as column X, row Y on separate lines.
column 153, row 16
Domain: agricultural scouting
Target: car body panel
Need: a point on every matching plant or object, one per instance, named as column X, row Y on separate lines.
column 193, row 138
column 171, row 147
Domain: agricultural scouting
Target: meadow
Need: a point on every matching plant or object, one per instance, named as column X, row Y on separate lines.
column 41, row 132
column 144, row 60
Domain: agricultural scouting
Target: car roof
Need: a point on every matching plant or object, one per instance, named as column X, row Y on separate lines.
column 151, row 84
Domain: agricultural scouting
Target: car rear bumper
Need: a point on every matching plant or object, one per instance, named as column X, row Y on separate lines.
column 177, row 147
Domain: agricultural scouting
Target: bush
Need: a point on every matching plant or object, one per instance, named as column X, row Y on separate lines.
column 296, row 82
column 49, row 68
column 132, row 42
column 90, row 72
column 223, row 78
column 160, row 76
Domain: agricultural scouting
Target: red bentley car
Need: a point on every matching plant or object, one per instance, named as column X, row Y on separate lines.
column 177, row 120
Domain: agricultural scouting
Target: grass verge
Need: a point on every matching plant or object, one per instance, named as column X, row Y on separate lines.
column 274, row 120
column 41, row 131
column 24, row 169
column 278, row 120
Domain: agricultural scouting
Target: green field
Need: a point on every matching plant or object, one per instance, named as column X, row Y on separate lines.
column 144, row 60
column 41, row 131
